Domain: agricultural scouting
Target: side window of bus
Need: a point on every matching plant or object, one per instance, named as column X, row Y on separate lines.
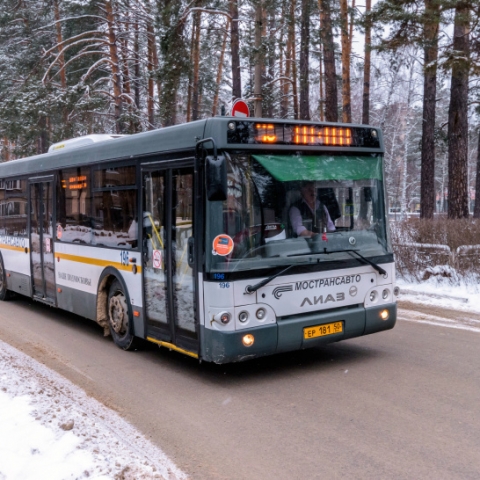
column 115, row 207
column 74, row 206
column 13, row 208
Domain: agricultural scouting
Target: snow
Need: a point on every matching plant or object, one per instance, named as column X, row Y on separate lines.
column 462, row 294
column 50, row 429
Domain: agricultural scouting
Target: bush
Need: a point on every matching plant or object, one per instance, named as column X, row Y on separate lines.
column 421, row 244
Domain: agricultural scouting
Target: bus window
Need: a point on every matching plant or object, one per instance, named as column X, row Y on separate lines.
column 13, row 208
column 115, row 207
column 74, row 204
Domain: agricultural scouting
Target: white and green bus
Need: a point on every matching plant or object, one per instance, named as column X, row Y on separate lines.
column 198, row 237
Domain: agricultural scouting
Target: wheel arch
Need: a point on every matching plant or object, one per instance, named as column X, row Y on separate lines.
column 108, row 276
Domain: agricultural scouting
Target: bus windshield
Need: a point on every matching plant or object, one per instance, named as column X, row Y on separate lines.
column 289, row 209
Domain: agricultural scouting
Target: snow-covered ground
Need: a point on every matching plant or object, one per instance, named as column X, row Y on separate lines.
column 51, row 430
column 462, row 295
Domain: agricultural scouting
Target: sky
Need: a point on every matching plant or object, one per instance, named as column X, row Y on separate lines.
column 50, row 429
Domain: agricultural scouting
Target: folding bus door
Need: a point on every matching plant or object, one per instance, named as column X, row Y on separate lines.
column 41, row 239
column 169, row 292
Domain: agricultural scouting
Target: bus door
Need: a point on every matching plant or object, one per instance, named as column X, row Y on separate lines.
column 41, row 239
column 169, row 293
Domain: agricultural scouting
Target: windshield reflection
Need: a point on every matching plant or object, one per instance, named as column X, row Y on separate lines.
column 278, row 213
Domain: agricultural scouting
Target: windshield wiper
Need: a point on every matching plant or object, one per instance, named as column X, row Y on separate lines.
column 378, row 268
column 254, row 288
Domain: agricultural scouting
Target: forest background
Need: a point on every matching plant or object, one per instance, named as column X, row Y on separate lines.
column 412, row 67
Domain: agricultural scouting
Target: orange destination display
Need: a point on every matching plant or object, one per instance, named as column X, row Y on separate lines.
column 302, row 134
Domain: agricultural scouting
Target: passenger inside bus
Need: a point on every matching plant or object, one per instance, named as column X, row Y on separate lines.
column 309, row 215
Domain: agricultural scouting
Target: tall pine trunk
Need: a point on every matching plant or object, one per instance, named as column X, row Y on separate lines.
column 235, row 50
column 258, row 59
column 346, row 96
column 367, row 64
column 196, row 66
column 115, row 66
column 326, row 35
column 293, row 57
column 220, row 69
column 304, row 59
column 458, row 117
column 476, row 210
column 427, row 181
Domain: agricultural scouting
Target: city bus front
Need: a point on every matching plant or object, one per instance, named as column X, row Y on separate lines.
column 297, row 253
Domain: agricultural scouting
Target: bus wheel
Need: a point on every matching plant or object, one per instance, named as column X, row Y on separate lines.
column 4, row 293
column 119, row 317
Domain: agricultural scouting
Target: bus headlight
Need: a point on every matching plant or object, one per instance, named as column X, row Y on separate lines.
column 243, row 316
column 225, row 317
column 261, row 312
column 385, row 293
column 373, row 295
column 248, row 340
column 396, row 291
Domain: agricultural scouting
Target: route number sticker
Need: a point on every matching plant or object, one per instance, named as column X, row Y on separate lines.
column 222, row 245
column 157, row 259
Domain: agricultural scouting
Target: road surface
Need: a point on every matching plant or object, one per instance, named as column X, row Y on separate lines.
column 401, row 404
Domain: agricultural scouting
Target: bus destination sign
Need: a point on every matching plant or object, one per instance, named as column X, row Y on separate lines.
column 246, row 132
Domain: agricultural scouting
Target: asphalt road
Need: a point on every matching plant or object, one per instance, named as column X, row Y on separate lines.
column 403, row 404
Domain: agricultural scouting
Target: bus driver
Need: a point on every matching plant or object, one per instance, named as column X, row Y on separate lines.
column 309, row 216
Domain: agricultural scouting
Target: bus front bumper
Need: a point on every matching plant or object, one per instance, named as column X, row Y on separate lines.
column 288, row 333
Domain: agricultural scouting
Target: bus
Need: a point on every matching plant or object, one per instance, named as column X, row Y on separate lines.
column 189, row 236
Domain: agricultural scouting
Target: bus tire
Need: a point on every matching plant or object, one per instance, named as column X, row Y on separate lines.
column 4, row 293
column 120, row 317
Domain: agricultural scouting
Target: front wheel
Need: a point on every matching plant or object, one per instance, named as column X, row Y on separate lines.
column 119, row 317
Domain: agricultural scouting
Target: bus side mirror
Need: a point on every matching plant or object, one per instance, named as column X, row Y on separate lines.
column 216, row 176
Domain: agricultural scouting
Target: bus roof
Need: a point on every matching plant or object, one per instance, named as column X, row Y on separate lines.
column 178, row 138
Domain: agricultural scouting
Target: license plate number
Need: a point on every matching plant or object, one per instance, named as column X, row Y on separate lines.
column 323, row 330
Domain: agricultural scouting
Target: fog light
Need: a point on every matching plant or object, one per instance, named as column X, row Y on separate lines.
column 261, row 312
column 373, row 295
column 248, row 340
column 384, row 314
column 225, row 317
column 243, row 316
column 385, row 293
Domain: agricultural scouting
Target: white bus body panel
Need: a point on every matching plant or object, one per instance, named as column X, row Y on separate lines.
column 296, row 294
column 79, row 267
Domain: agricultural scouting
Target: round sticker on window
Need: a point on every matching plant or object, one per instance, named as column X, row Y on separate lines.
column 222, row 245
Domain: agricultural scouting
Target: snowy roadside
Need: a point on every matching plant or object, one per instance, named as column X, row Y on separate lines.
column 439, row 292
column 50, row 429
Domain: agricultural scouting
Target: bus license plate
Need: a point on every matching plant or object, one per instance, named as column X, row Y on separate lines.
column 323, row 330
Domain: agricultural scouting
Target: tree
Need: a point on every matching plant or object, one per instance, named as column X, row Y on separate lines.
column 367, row 63
column 476, row 211
column 326, row 35
column 304, row 60
column 458, row 115
column 235, row 50
column 430, row 40
column 346, row 50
